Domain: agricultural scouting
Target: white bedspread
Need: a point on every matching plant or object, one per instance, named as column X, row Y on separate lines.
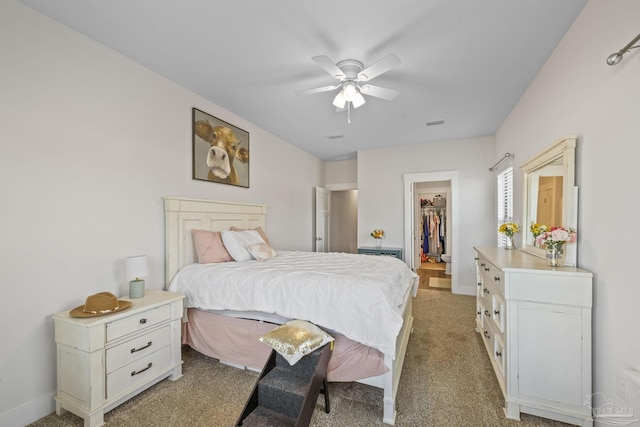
column 360, row 296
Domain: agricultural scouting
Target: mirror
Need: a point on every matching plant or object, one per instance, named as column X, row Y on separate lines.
column 550, row 195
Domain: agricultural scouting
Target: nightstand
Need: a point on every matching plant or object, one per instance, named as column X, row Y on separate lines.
column 103, row 361
column 394, row 252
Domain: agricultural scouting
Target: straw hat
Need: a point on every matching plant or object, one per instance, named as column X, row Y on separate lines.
column 99, row 304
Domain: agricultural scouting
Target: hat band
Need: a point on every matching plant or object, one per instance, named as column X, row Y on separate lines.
column 101, row 311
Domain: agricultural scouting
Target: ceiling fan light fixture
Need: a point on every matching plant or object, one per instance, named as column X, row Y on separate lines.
column 350, row 91
column 358, row 101
column 339, row 100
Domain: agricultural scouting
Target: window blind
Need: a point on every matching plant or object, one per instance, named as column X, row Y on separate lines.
column 505, row 200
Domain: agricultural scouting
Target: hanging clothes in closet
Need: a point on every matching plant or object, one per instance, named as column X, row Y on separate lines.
column 433, row 231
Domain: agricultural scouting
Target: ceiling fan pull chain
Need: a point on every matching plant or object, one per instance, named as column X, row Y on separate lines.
column 348, row 112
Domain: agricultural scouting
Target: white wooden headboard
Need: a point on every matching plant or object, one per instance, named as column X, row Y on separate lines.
column 181, row 215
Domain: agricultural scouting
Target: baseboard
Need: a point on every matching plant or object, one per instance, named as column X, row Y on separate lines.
column 29, row 412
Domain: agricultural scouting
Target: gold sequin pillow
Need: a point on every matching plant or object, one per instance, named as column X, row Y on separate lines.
column 295, row 339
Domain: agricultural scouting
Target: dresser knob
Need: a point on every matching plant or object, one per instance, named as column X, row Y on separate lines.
column 486, row 291
column 143, row 321
column 496, row 279
column 486, row 335
column 479, row 284
column 496, row 312
column 487, row 313
column 498, row 354
column 482, row 264
column 486, row 269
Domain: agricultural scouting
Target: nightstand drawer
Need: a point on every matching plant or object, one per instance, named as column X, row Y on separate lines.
column 138, row 372
column 135, row 323
column 137, row 348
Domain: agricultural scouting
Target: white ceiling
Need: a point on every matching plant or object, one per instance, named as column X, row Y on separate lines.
column 463, row 61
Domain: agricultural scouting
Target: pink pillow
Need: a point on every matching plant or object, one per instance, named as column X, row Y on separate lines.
column 209, row 247
column 258, row 229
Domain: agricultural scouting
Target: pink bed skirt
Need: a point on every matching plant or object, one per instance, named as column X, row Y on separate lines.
column 234, row 340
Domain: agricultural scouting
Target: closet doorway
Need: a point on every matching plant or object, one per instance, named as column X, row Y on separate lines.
column 434, row 228
column 415, row 184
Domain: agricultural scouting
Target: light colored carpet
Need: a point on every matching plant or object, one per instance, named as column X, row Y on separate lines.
column 439, row 282
column 447, row 381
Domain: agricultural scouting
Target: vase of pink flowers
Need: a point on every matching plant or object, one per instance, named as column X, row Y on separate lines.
column 554, row 241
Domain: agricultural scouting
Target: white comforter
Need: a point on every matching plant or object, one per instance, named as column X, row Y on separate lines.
column 360, row 296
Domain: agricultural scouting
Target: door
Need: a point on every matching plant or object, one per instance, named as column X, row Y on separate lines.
column 323, row 223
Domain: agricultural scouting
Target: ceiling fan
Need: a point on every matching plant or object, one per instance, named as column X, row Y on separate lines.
column 352, row 80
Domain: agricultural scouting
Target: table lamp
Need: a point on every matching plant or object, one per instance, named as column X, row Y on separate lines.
column 137, row 267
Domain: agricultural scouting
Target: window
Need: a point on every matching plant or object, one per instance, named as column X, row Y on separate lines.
column 505, row 200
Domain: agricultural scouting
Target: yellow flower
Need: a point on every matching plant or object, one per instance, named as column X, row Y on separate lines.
column 377, row 234
column 509, row 228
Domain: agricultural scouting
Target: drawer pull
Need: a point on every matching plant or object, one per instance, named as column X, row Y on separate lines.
column 486, row 335
column 479, row 284
column 496, row 278
column 498, row 354
column 476, row 258
column 134, row 373
column 486, row 269
column 133, row 350
column 143, row 321
column 496, row 312
column 485, row 290
column 487, row 313
column 482, row 264
column 479, row 313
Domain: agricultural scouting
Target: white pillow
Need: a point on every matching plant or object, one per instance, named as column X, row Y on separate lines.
column 295, row 339
column 261, row 251
column 236, row 243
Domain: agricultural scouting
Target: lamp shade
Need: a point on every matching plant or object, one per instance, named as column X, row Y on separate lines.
column 137, row 266
column 339, row 100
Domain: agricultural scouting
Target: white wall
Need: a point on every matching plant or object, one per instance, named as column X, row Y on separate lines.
column 381, row 194
column 576, row 92
column 341, row 175
column 90, row 143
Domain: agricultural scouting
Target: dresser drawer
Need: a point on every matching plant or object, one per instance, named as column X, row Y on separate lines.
column 499, row 312
column 137, row 348
column 137, row 322
column 138, row 372
column 499, row 359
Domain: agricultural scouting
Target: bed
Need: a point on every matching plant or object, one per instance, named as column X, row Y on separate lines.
column 225, row 318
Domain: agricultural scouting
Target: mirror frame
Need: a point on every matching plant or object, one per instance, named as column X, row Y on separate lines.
column 564, row 149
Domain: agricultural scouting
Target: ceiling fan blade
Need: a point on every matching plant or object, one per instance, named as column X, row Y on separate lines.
column 379, row 92
column 329, row 66
column 317, row 90
column 382, row 66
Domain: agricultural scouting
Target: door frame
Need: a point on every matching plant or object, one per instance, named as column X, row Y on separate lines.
column 322, row 219
column 410, row 180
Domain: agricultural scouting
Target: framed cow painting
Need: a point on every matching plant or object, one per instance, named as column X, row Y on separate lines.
column 220, row 151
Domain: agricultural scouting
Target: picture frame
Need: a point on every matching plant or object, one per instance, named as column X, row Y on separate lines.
column 220, row 150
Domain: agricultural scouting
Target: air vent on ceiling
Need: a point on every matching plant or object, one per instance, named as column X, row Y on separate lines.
column 435, row 122
column 335, row 136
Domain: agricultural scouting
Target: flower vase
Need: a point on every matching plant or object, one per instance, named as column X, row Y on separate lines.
column 378, row 243
column 509, row 245
column 553, row 253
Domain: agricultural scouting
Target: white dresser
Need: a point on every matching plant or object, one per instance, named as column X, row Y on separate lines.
column 535, row 322
column 104, row 361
